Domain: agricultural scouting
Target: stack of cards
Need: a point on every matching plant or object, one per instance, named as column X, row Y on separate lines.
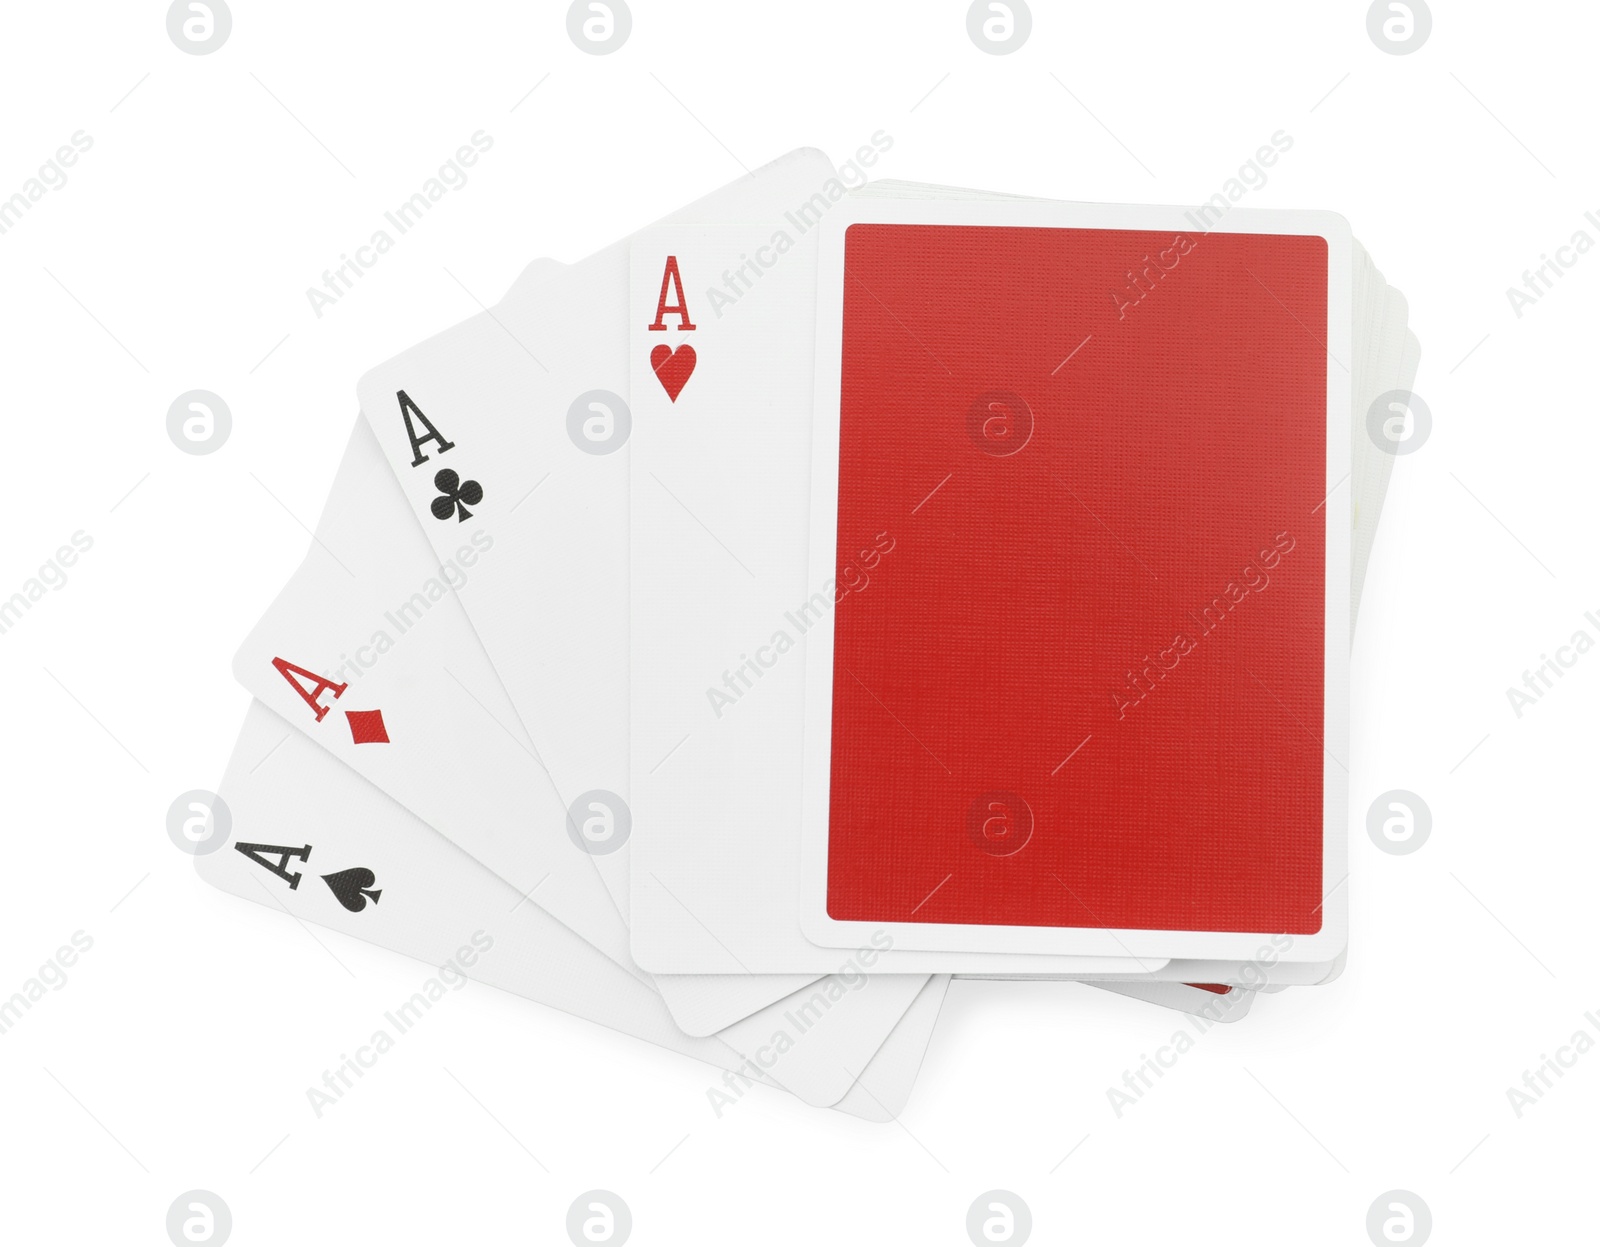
column 834, row 588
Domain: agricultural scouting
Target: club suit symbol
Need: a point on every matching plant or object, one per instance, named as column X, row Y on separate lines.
column 455, row 495
column 354, row 888
column 999, row 822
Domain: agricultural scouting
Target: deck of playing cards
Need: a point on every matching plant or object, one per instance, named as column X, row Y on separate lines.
column 837, row 587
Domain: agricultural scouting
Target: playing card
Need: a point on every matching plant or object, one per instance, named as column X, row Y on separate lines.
column 368, row 638
column 1148, row 476
column 835, row 588
column 1387, row 363
column 454, row 753
column 720, row 396
column 669, row 399
column 738, row 274
column 555, row 503
column 360, row 864
column 1396, row 369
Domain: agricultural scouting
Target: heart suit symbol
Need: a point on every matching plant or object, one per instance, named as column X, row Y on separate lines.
column 673, row 368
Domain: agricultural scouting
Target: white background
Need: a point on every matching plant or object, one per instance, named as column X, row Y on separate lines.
column 177, row 256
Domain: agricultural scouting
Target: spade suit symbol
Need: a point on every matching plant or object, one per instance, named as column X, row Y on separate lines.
column 354, row 888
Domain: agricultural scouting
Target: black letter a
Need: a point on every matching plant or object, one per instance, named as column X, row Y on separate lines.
column 281, row 866
column 407, row 410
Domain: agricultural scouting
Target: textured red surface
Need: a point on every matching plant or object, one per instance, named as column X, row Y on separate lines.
column 982, row 666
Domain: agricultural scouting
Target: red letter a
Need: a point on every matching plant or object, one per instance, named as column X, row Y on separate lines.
column 671, row 278
column 308, row 695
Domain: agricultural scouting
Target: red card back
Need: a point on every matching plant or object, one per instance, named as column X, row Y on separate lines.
column 1078, row 669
